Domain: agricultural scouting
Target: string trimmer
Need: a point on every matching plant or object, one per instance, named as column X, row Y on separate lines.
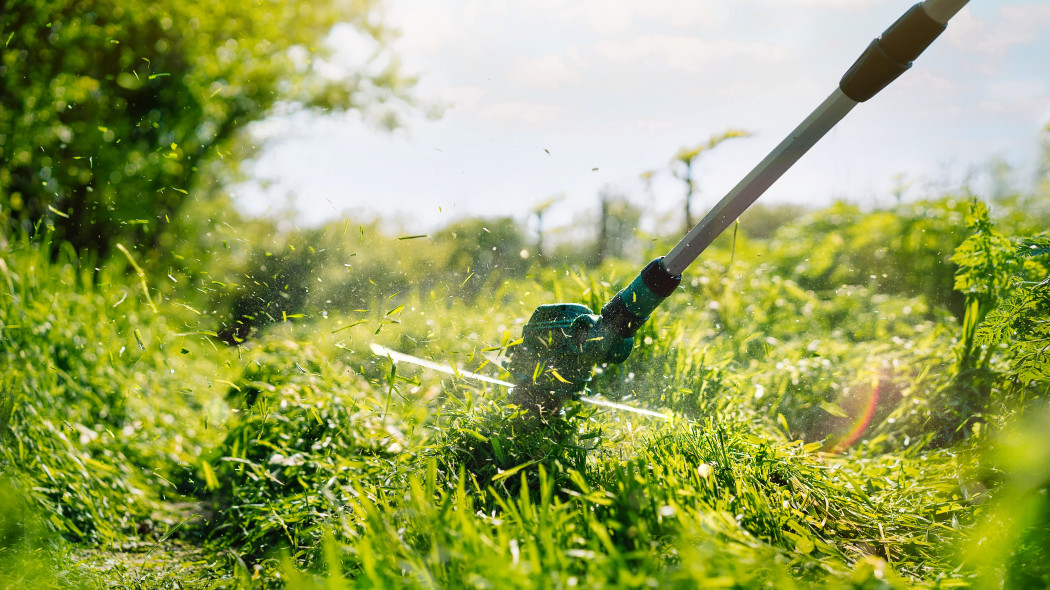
column 562, row 342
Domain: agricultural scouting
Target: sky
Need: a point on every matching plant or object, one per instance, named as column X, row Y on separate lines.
column 543, row 99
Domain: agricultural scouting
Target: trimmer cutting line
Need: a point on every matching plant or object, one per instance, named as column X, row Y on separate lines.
column 562, row 342
column 396, row 357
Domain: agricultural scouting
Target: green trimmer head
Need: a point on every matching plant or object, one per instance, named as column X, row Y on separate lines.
column 562, row 342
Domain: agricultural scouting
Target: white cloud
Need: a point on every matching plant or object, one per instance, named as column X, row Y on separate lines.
column 609, row 17
column 574, row 54
column 685, row 52
column 651, row 125
column 853, row 5
column 927, row 81
column 1011, row 26
column 1026, row 99
column 426, row 27
column 465, row 96
column 522, row 111
column 546, row 72
column 688, row 15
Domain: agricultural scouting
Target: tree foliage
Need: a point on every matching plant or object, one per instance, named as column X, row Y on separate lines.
column 905, row 250
column 617, row 223
column 113, row 112
column 483, row 251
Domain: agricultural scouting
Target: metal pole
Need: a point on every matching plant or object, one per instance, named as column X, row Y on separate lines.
column 886, row 58
column 797, row 143
column 942, row 10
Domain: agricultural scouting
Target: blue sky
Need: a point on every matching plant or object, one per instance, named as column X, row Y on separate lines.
column 537, row 95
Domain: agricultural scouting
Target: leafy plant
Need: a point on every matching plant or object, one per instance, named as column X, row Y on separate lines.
column 113, row 112
column 986, row 268
column 1022, row 321
column 1009, row 546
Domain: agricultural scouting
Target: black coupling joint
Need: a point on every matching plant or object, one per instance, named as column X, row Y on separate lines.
column 891, row 54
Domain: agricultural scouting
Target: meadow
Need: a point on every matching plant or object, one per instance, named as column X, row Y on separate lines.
column 856, row 399
column 844, row 397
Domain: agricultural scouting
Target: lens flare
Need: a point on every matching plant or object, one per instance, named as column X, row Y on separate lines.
column 863, row 421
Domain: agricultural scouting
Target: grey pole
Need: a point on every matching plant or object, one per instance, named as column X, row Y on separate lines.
column 761, row 177
column 886, row 58
column 942, row 10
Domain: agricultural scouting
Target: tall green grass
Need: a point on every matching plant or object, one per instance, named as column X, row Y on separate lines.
column 823, row 434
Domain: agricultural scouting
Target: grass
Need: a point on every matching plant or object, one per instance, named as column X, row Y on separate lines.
column 813, row 442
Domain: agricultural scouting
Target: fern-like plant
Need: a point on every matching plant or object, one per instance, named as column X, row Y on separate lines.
column 987, row 266
column 1022, row 321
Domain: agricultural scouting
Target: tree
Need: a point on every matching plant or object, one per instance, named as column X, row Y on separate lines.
column 682, row 166
column 483, row 251
column 112, row 112
column 647, row 179
column 617, row 221
column 1043, row 169
column 761, row 220
column 539, row 210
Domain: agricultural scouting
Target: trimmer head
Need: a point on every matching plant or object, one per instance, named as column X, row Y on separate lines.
column 561, row 343
column 555, row 360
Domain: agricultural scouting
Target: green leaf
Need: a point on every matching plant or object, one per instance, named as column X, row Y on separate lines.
column 509, row 472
